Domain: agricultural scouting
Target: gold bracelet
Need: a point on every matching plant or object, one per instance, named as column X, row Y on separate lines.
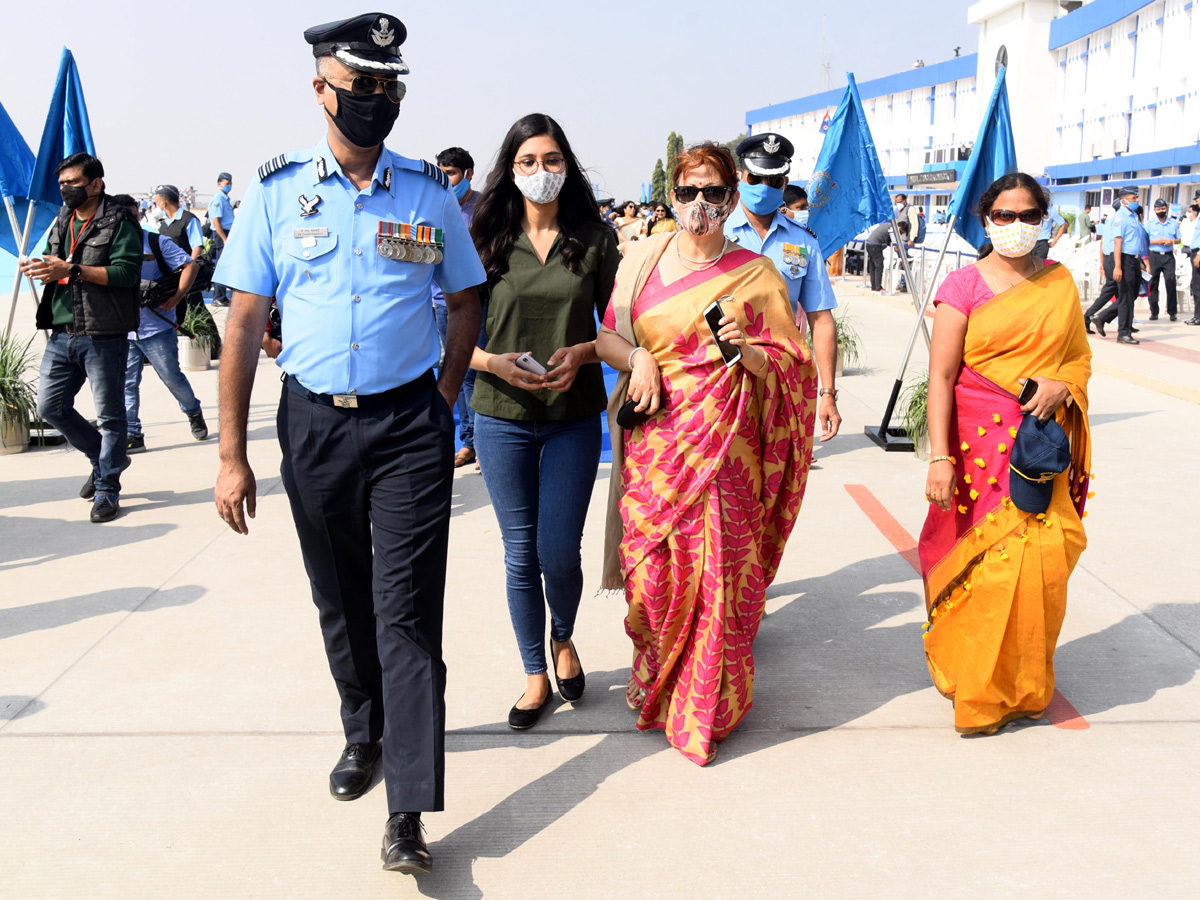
column 934, row 459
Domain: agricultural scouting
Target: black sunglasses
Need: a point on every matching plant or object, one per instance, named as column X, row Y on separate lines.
column 362, row 85
column 775, row 181
column 1007, row 216
column 713, row 193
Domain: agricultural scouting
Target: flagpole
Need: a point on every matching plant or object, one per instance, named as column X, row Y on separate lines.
column 22, row 248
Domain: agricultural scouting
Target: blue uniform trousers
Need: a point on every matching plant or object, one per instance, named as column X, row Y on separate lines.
column 370, row 493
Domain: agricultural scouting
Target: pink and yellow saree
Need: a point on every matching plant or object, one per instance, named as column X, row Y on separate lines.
column 996, row 577
column 712, row 486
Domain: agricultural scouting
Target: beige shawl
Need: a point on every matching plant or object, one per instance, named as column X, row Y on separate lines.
column 640, row 259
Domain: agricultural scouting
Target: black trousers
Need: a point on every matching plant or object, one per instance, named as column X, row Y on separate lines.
column 370, row 494
column 1162, row 264
column 1041, row 250
column 875, row 265
column 1127, row 294
column 1107, row 292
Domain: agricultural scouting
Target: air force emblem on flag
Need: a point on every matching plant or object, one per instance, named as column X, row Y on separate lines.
column 821, row 189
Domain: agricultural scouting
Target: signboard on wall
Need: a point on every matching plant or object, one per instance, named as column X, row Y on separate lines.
column 937, row 178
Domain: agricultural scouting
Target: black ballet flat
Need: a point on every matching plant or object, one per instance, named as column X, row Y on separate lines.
column 570, row 689
column 521, row 719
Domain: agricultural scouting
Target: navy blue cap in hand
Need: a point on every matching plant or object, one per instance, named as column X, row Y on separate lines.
column 1040, row 452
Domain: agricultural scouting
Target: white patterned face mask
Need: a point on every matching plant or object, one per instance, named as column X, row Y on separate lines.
column 1014, row 240
column 541, row 186
column 700, row 217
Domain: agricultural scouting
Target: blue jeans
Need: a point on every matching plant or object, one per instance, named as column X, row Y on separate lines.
column 462, row 406
column 540, row 476
column 69, row 360
column 162, row 350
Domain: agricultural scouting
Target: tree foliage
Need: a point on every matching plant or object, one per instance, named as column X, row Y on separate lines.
column 732, row 145
column 658, row 184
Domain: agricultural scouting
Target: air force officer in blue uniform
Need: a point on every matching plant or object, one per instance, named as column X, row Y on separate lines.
column 348, row 237
column 757, row 224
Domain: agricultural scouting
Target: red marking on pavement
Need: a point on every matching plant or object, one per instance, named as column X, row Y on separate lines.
column 1060, row 713
column 886, row 523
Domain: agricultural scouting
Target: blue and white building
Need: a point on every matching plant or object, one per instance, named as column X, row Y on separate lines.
column 1103, row 93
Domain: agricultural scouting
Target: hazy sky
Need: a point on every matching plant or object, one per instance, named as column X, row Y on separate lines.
column 220, row 85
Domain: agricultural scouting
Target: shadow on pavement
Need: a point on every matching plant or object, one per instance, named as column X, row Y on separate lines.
column 31, row 491
column 822, row 660
column 470, row 493
column 17, row 706
column 30, row 541
column 1097, row 419
column 1127, row 663
column 68, row 610
column 158, row 499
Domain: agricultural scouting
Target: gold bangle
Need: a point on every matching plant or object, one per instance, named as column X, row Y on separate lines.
column 934, row 459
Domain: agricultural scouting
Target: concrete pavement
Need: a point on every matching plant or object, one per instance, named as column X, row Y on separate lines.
column 167, row 720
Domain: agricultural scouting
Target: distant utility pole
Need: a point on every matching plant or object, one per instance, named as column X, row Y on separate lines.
column 826, row 82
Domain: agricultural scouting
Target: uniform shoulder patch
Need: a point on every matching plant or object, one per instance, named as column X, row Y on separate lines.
column 435, row 173
column 273, row 165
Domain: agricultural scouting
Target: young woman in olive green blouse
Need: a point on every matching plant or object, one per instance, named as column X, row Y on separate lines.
column 550, row 263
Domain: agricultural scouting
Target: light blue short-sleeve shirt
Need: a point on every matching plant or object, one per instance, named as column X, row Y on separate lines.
column 220, row 209
column 1125, row 225
column 1051, row 224
column 1107, row 233
column 1167, row 229
column 354, row 321
column 150, row 323
column 795, row 252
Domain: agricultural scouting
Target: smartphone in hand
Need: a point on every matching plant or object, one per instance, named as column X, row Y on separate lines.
column 713, row 315
column 1027, row 391
column 527, row 363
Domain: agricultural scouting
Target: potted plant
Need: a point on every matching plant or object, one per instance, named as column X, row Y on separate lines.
column 914, row 413
column 849, row 343
column 196, row 332
column 18, row 399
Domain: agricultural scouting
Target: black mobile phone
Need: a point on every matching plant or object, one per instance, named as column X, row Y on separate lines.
column 1027, row 391
column 713, row 315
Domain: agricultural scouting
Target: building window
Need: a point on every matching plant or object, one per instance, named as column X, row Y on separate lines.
column 1092, row 199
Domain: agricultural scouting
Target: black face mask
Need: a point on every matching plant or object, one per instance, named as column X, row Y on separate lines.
column 364, row 119
column 74, row 197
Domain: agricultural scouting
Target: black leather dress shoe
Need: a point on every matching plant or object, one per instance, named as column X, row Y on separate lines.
column 1126, row 339
column 1087, row 323
column 1099, row 327
column 520, row 719
column 351, row 776
column 404, row 847
column 1194, row 320
column 570, row 689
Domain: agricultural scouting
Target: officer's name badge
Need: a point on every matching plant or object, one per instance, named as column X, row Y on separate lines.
column 409, row 243
column 795, row 255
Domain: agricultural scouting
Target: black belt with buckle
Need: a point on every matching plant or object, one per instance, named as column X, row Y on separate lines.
column 419, row 385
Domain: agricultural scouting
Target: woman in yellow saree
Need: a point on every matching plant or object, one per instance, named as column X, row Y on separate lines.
column 995, row 575
column 706, row 491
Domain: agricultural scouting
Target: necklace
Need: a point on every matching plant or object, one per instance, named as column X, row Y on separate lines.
column 699, row 265
column 1007, row 284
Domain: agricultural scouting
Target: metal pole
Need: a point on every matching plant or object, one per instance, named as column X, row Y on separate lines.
column 22, row 247
column 902, row 250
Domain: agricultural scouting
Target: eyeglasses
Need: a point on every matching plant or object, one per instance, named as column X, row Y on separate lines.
column 713, row 193
column 1007, row 216
column 361, row 85
column 775, row 181
column 527, row 165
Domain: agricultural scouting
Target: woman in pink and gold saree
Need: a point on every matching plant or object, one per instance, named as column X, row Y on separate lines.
column 704, row 492
column 995, row 575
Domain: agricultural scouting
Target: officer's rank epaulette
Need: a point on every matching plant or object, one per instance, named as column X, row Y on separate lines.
column 271, row 166
column 806, row 228
column 436, row 174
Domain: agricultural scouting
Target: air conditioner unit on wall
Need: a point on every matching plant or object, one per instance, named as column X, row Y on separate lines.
column 1097, row 148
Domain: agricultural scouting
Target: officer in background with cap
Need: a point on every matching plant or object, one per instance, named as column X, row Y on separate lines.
column 1163, row 232
column 348, row 236
column 1129, row 246
column 758, row 224
column 220, row 219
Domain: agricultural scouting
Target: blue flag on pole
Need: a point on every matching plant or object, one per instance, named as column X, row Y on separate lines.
column 993, row 155
column 16, row 168
column 67, row 131
column 848, row 192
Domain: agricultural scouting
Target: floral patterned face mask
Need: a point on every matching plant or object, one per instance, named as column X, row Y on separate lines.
column 701, row 217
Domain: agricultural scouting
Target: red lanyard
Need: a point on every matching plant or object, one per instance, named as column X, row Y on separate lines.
column 75, row 238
